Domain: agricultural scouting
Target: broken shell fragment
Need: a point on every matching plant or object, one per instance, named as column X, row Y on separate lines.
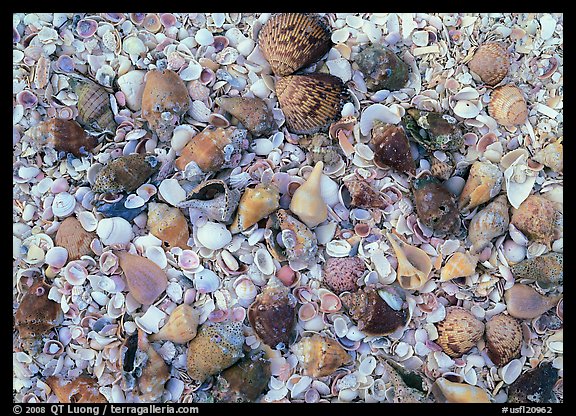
column 552, row 156
column 459, row 265
column 484, row 183
column 446, row 391
column 382, row 68
column 255, row 204
column 490, row 62
column 74, row 238
column 508, row 106
column 536, row 218
column 524, row 302
column 547, row 269
column 146, row 280
column 168, row 224
column 94, row 110
column 252, row 112
column 245, row 381
column 320, row 148
column 320, row 356
column 459, row 332
column 307, row 202
column 215, row 199
column 503, row 338
column 432, row 130
column 181, row 327
column 414, row 265
column 489, row 223
column 82, row 389
column 342, row 273
column 391, row 148
column 126, row 173
column 435, row 205
column 535, row 385
column 63, row 135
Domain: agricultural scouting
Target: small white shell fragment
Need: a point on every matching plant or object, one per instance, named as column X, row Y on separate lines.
column 115, row 230
column 520, row 180
column 341, row 68
column 511, row 371
column 63, row 204
column 340, row 35
column 88, row 221
column 354, row 334
column 420, row 38
column 467, row 93
column 367, row 366
column 132, row 85
column 262, row 147
column 134, row 201
column 375, row 112
column 150, row 321
column 325, row 233
column 146, row 191
column 340, row 327
column 547, row 26
column 204, row 37
column 314, row 324
column 264, row 262
column 260, row 89
column 213, row 235
column 133, row 46
column 338, row 248
column 157, row 255
column 171, row 191
column 191, row 72
column 199, row 111
column 181, row 136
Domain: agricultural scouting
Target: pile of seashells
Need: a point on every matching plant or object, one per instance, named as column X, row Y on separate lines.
column 292, row 207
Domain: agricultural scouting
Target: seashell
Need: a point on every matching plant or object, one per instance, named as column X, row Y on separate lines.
column 311, row 102
column 217, row 346
column 126, row 173
column 132, row 85
column 213, row 149
column 117, row 209
column 146, row 280
column 63, row 204
column 165, row 99
column 74, row 238
column 484, row 183
column 434, row 131
column 213, row 235
column 524, row 302
column 536, row 218
column 535, row 385
column 391, row 148
column 320, row 148
column 152, row 22
column 86, row 28
column 459, row 332
column 255, row 204
column 272, row 315
column 181, row 326
column 503, row 339
column 552, row 156
column 206, row 281
column 545, row 269
column 399, row 378
column 56, row 257
column 83, row 389
column 414, row 265
column 458, row 265
column 168, row 224
column 213, row 198
column 94, row 110
column 114, row 230
column 435, row 205
column 245, row 381
column 362, row 195
column 491, row 222
column 252, row 112
column 290, row 41
column 490, row 62
column 307, row 202
column 342, row 273
column 373, row 314
column 508, row 106
column 63, row 135
column 446, row 391
column 382, row 68
column 320, row 356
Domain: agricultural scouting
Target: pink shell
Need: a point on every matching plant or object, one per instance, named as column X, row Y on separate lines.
column 329, row 302
column 308, row 311
column 188, row 260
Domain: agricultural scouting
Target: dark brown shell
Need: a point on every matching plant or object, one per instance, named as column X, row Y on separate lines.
column 459, row 332
column 362, row 195
column 341, row 273
column 290, row 41
column 310, row 102
column 94, row 110
column 244, row 381
column 64, row 135
column 74, row 238
column 435, row 205
column 503, row 338
column 535, row 385
column 252, row 112
column 373, row 314
column 392, row 149
column 126, row 173
column 83, row 389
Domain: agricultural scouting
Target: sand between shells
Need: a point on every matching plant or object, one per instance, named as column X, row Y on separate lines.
column 330, row 207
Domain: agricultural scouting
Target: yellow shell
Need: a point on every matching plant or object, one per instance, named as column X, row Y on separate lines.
column 459, row 332
column 168, row 224
column 508, row 106
column 536, row 218
column 74, row 238
column 181, row 326
column 307, row 202
column 414, row 265
column 255, row 204
column 490, row 62
column 446, row 391
column 459, row 265
column 484, row 183
column 503, row 338
column 320, row 356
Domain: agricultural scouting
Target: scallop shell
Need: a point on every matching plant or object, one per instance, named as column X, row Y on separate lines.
column 490, row 62
column 414, row 265
column 458, row 265
column 508, row 106
column 215, row 199
column 290, row 41
column 484, row 183
column 536, row 218
column 459, row 332
column 524, row 302
column 546, row 269
column 181, row 327
column 126, row 173
column 342, row 273
column 311, row 102
column 446, row 391
column 489, row 223
column 82, row 389
column 320, row 356
column 535, row 385
column 74, row 238
column 168, row 224
column 307, row 202
column 145, row 279
column 435, row 205
column 391, row 148
column 252, row 112
column 63, row 135
column 94, row 110
column 503, row 338
column 245, row 381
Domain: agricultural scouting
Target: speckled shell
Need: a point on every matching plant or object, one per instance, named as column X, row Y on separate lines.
column 155, row 373
column 255, row 204
column 373, row 314
column 535, row 385
column 272, row 315
column 215, row 199
column 441, row 170
column 535, row 217
column 552, row 156
column 320, row 356
column 342, row 273
column 74, row 238
column 245, row 381
column 168, row 224
column 145, row 279
column 164, row 100
column 392, row 149
column 458, row 265
column 433, row 131
column 508, row 106
column 484, row 183
column 489, row 223
column 252, row 112
column 382, row 68
column 459, row 332
column 548, row 269
column 363, row 195
column 63, row 135
column 126, row 173
column 311, row 102
column 320, row 148
column 290, row 41
column 490, row 62
column 94, row 110
column 217, row 346
column 82, row 389
column 503, row 338
column 524, row 302
column 435, row 205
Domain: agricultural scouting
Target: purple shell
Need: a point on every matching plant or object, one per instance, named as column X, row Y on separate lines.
column 65, row 63
column 27, row 99
column 167, row 19
column 86, row 28
column 15, row 35
column 137, row 18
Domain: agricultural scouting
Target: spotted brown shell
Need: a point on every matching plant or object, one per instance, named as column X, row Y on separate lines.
column 490, row 62
column 459, row 332
column 503, row 338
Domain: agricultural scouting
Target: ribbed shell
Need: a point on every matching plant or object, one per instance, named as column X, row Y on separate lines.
column 94, row 110
column 74, row 238
column 320, row 356
column 290, row 41
column 503, row 338
column 490, row 62
column 459, row 332
column 310, row 102
column 508, row 106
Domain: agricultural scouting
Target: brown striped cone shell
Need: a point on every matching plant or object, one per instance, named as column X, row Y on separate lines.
column 342, row 273
column 363, row 195
column 290, row 41
column 320, row 356
column 168, row 224
column 255, row 204
column 392, row 149
column 74, row 238
column 536, row 218
column 508, row 106
column 459, row 332
column 165, row 99
column 252, row 112
column 524, row 302
column 145, row 279
column 490, row 62
column 245, row 381
column 63, row 135
column 441, row 170
column 484, row 183
column 503, row 338
column 310, row 102
column 82, row 389
column 94, row 110
column 491, row 222
column 547, row 268
column 126, row 173
column 181, row 327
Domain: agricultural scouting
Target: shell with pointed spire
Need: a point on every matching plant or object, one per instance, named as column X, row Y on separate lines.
column 484, row 183
column 307, row 202
column 459, row 265
column 320, row 356
column 363, row 195
column 414, row 265
column 168, row 224
column 459, row 332
column 145, row 279
column 435, row 205
column 215, row 199
column 392, row 149
column 446, row 391
column 63, row 135
column 252, row 112
column 94, row 110
column 255, row 204
column 181, row 327
column 489, row 223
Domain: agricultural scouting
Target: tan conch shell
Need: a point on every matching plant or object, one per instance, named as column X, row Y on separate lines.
column 252, row 112
column 524, row 302
column 484, row 183
column 255, row 204
column 459, row 332
column 181, row 326
column 446, row 391
column 83, row 389
column 307, row 202
column 320, row 356
column 508, row 106
column 169, row 225
column 363, row 194
column 459, row 265
column 145, row 279
column 414, row 265
column 489, row 223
